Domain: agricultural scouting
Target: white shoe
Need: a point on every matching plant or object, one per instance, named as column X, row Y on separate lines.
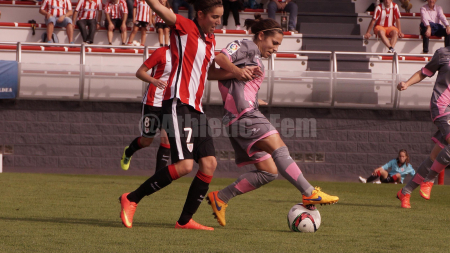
column 224, row 27
column 391, row 51
column 377, row 181
column 238, row 27
column 362, row 180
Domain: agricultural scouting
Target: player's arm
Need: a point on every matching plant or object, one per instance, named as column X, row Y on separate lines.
column 165, row 13
column 415, row 78
column 142, row 74
column 241, row 74
column 75, row 15
column 218, row 74
column 367, row 35
column 399, row 26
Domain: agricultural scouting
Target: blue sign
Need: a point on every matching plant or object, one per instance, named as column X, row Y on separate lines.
column 9, row 79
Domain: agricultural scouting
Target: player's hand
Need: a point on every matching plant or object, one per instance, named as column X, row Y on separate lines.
column 262, row 102
column 367, row 36
column 244, row 74
column 402, row 86
column 401, row 35
column 98, row 26
column 160, row 84
column 256, row 71
column 61, row 19
column 48, row 16
column 428, row 33
column 447, row 29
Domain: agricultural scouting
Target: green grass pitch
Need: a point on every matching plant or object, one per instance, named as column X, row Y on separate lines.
column 80, row 213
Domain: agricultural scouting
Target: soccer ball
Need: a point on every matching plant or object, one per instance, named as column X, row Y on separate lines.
column 304, row 219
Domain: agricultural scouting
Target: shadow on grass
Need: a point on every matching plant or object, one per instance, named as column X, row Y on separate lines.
column 90, row 222
column 368, row 205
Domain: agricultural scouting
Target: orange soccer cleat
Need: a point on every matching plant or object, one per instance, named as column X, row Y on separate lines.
column 404, row 198
column 127, row 210
column 193, row 225
column 425, row 189
column 218, row 207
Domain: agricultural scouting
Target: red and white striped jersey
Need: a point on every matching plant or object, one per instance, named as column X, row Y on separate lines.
column 192, row 55
column 160, row 65
column 158, row 19
column 142, row 11
column 56, row 8
column 386, row 17
column 116, row 11
column 88, row 9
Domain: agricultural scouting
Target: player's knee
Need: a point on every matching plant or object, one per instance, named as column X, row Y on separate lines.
column 394, row 33
column 269, row 177
column 280, row 152
column 184, row 167
column 165, row 140
column 145, row 142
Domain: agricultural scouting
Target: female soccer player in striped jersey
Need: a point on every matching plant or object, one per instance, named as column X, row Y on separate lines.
column 160, row 65
column 254, row 139
column 192, row 51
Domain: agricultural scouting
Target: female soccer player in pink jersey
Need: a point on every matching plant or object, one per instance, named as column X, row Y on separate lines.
column 254, row 139
column 440, row 114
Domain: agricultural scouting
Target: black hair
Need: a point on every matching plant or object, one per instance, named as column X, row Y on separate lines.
column 205, row 6
column 268, row 26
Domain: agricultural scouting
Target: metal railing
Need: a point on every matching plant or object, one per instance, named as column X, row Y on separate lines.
column 333, row 63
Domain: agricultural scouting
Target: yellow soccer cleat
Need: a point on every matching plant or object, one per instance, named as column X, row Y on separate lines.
column 218, row 207
column 319, row 197
column 125, row 161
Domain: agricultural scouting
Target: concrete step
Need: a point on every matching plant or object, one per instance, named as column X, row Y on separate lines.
column 329, row 28
column 326, row 6
column 306, row 17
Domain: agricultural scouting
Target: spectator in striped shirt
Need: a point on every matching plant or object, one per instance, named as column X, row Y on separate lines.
column 142, row 17
column 433, row 22
column 86, row 15
column 386, row 19
column 116, row 18
column 161, row 27
column 57, row 13
column 286, row 6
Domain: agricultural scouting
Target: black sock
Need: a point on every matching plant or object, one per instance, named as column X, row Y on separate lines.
column 158, row 181
column 195, row 196
column 162, row 157
column 389, row 179
column 372, row 178
column 390, row 48
column 133, row 147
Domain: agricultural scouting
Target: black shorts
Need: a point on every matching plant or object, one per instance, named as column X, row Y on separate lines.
column 116, row 22
column 161, row 25
column 188, row 131
column 150, row 121
column 141, row 24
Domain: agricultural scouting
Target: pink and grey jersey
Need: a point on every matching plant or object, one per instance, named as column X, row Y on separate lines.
column 240, row 97
column 440, row 99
